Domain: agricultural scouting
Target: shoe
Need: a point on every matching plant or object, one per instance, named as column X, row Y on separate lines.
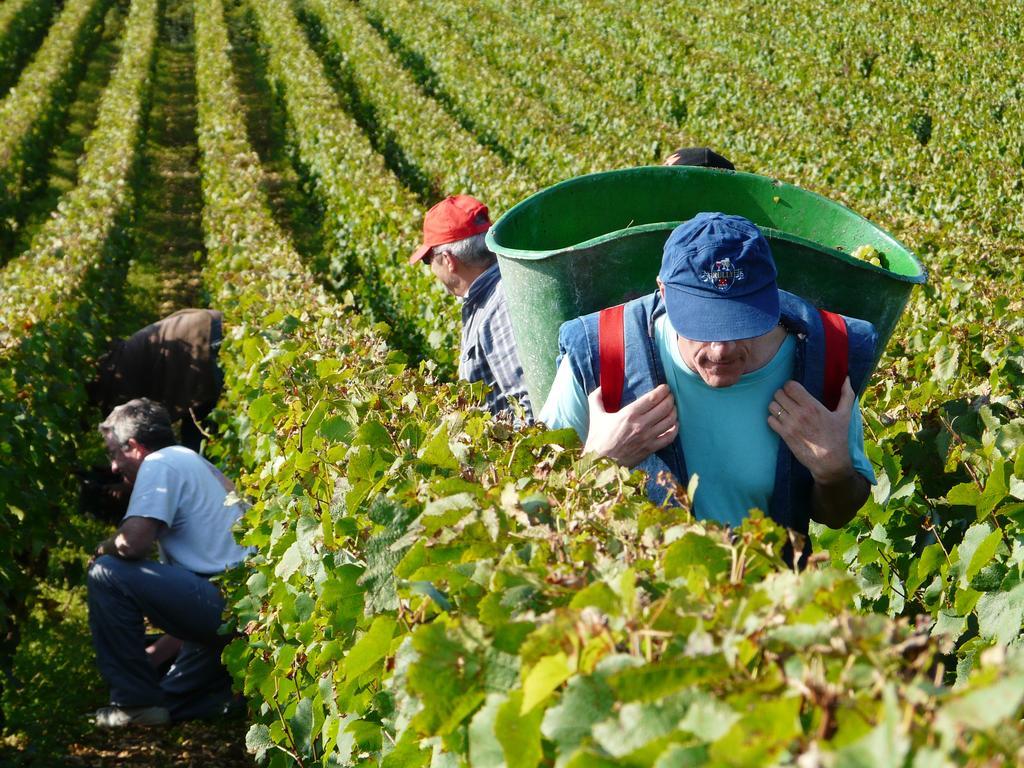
column 121, row 717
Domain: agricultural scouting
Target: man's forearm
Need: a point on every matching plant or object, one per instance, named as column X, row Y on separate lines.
column 118, row 546
column 133, row 540
column 836, row 503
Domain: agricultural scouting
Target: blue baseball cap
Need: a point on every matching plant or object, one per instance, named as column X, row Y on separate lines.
column 719, row 279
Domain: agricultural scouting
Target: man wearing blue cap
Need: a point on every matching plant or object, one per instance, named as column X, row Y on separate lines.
column 723, row 377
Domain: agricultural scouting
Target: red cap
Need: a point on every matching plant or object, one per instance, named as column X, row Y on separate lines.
column 454, row 218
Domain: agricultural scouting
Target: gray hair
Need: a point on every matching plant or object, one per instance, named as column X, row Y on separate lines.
column 471, row 251
column 145, row 420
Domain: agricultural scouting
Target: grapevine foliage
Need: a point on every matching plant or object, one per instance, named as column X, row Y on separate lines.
column 22, row 24
column 434, row 587
column 35, row 105
column 56, row 301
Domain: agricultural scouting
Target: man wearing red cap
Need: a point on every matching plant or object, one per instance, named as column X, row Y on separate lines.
column 454, row 249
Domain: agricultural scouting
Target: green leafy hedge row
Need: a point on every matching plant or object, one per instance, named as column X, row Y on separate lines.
column 589, row 107
column 596, row 126
column 500, row 112
column 943, row 533
column 370, row 218
column 22, row 23
column 434, row 588
column 920, row 116
column 31, row 109
column 391, row 106
column 55, row 301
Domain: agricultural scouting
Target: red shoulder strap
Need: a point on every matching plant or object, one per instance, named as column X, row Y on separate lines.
column 611, row 344
column 836, row 357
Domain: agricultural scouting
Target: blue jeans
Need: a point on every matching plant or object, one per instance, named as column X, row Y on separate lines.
column 122, row 595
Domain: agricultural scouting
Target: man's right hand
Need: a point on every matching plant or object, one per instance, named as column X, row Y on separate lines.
column 628, row 437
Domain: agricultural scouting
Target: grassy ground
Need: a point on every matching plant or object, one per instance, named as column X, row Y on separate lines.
column 59, row 685
column 54, row 671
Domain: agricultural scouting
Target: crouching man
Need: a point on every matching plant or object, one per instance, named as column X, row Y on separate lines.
column 178, row 502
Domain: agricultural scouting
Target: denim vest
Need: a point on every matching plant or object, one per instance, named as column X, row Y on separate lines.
column 791, row 498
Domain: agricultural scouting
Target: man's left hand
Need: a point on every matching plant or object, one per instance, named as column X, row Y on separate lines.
column 105, row 547
column 818, row 437
column 132, row 541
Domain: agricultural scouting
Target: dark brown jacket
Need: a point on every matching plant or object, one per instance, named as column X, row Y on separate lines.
column 170, row 361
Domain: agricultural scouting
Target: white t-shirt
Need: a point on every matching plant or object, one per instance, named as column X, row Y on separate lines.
column 179, row 487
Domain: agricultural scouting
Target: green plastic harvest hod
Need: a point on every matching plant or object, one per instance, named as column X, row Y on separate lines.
column 596, row 241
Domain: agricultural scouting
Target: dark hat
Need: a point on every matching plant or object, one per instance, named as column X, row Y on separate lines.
column 699, row 156
column 719, row 279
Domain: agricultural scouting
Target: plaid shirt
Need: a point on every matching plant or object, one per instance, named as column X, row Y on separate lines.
column 488, row 347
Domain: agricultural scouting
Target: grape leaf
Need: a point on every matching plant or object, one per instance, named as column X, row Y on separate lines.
column 448, row 678
column 886, row 744
column 371, row 647
column 1000, row 614
column 978, row 538
column 258, row 740
column 637, row 724
column 983, row 554
column 691, row 550
column 587, row 700
column 381, row 561
column 519, row 734
column 995, row 490
column 302, row 724
column 290, row 562
column 985, row 707
column 438, row 452
column 546, row 675
column 484, row 748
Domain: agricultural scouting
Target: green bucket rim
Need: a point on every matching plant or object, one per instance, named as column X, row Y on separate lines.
column 520, row 254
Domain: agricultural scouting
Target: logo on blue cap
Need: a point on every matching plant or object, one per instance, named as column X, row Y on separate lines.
column 719, row 279
column 723, row 275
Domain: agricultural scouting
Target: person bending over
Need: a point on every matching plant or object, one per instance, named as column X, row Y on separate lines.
column 172, row 361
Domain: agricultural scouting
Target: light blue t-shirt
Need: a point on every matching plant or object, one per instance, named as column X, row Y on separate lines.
column 725, row 434
column 186, row 492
